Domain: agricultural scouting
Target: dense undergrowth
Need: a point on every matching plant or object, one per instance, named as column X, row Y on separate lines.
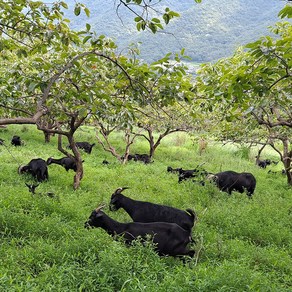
column 241, row 244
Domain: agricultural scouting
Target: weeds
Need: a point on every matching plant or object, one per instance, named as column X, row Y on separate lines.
column 241, row 244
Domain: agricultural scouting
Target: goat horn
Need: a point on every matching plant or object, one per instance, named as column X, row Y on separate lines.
column 120, row 189
column 100, row 207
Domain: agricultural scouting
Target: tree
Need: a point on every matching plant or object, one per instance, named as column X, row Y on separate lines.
column 252, row 89
column 57, row 78
column 48, row 71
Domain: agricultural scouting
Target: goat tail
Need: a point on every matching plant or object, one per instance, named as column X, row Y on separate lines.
column 192, row 214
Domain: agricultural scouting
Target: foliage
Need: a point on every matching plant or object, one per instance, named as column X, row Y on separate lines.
column 147, row 15
column 208, row 31
column 242, row 244
column 57, row 78
column 252, row 89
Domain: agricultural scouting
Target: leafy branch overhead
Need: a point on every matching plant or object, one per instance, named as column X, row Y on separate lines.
column 147, row 16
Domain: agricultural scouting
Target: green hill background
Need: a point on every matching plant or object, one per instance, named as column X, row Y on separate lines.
column 208, row 31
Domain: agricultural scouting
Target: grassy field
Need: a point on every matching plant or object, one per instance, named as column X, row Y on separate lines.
column 241, row 244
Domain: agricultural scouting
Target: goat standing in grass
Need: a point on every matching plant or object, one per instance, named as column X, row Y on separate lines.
column 228, row 181
column 141, row 211
column 66, row 162
column 168, row 238
column 37, row 168
column 87, row 147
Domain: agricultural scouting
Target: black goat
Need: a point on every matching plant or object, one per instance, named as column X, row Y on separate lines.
column 168, row 238
column 16, row 141
column 173, row 170
column 37, row 168
column 66, row 162
column 228, row 181
column 140, row 157
column 263, row 163
column 32, row 188
column 191, row 173
column 141, row 211
column 87, row 147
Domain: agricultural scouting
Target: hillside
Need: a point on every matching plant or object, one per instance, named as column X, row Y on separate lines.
column 209, row 31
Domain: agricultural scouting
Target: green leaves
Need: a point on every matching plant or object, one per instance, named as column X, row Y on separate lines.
column 286, row 12
column 77, row 9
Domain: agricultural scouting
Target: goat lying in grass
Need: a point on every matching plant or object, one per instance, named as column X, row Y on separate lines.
column 66, row 162
column 168, row 238
column 141, row 211
column 184, row 174
column 37, row 168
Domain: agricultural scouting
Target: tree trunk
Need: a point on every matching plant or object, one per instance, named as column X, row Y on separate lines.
column 79, row 171
column 287, row 164
column 78, row 176
column 47, row 137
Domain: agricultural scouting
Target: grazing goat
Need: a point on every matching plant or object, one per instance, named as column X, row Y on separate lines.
column 263, row 163
column 228, row 181
column 31, row 189
column 66, row 162
column 87, row 147
column 168, row 238
column 16, row 141
column 145, row 212
column 140, row 157
column 37, row 168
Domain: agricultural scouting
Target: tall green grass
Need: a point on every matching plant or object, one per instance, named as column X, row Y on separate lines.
column 241, row 244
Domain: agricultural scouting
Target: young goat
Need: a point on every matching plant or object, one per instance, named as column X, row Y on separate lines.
column 148, row 212
column 37, row 168
column 16, row 141
column 66, row 162
column 263, row 163
column 168, row 238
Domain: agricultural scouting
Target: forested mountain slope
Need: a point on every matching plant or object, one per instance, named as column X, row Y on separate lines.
column 208, row 31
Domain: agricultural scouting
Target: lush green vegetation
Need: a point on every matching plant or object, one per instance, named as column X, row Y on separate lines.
column 208, row 31
column 241, row 244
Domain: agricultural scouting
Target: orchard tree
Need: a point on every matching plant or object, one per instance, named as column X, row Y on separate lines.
column 252, row 90
column 56, row 78
column 163, row 108
column 52, row 75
